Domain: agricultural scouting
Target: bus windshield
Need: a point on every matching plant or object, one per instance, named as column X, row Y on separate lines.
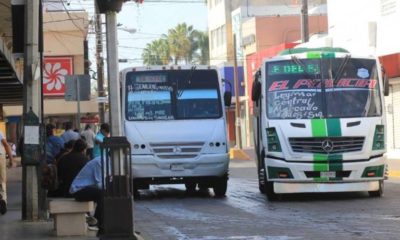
column 316, row 88
column 172, row 94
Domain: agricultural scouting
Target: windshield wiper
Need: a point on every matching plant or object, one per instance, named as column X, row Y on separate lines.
column 187, row 82
column 341, row 69
column 300, row 63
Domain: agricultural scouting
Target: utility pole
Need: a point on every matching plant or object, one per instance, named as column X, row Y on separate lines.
column 304, row 21
column 100, row 62
column 32, row 194
column 113, row 73
column 237, row 99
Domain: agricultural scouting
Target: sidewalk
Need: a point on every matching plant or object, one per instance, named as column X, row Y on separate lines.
column 11, row 225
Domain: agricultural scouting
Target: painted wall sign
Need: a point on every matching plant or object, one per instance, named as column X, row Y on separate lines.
column 54, row 71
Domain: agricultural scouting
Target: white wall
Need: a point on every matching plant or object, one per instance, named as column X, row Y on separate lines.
column 388, row 30
column 351, row 23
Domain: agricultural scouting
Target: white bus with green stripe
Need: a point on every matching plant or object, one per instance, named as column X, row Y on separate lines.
column 319, row 123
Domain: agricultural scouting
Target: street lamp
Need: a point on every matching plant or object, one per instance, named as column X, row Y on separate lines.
column 128, row 30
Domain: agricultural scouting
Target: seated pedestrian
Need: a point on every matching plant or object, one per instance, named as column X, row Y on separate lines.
column 54, row 144
column 69, row 133
column 87, row 186
column 70, row 165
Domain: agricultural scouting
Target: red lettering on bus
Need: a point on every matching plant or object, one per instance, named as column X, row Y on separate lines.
column 302, row 82
column 278, row 85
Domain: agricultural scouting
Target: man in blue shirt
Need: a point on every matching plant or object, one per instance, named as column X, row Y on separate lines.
column 87, row 186
column 103, row 133
column 54, row 144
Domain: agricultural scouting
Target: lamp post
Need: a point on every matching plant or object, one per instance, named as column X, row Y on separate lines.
column 118, row 208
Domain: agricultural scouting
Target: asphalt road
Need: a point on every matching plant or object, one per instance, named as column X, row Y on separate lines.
column 167, row 212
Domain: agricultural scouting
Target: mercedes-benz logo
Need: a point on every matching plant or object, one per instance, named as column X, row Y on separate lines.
column 327, row 146
column 177, row 149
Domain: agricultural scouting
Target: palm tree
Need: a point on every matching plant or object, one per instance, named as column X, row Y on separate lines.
column 156, row 53
column 200, row 49
column 180, row 44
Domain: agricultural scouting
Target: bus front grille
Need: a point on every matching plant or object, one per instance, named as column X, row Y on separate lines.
column 326, row 145
column 177, row 150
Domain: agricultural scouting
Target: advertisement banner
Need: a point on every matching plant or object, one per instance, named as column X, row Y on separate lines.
column 54, row 71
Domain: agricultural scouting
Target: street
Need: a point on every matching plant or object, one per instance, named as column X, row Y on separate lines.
column 166, row 212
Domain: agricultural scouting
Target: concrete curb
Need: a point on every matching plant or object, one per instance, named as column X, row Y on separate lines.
column 239, row 154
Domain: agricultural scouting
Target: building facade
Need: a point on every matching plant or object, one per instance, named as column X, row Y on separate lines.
column 64, row 51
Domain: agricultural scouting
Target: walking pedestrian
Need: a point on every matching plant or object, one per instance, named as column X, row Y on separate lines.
column 89, row 136
column 103, row 133
column 4, row 148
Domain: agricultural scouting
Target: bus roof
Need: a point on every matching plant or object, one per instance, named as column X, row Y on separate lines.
column 168, row 67
column 307, row 50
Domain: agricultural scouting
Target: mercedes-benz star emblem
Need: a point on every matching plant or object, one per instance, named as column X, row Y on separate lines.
column 177, row 149
column 327, row 146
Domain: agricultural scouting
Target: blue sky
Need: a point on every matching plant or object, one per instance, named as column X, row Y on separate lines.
column 152, row 19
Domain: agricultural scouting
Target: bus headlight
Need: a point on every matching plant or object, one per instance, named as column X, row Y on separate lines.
column 273, row 140
column 379, row 138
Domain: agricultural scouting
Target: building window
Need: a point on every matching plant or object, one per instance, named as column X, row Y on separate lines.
column 218, row 37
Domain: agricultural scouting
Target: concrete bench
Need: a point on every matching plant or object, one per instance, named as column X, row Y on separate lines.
column 70, row 216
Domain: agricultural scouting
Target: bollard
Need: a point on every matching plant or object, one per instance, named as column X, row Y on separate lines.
column 117, row 189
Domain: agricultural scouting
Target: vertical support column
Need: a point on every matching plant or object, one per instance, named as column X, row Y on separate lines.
column 237, row 99
column 32, row 101
column 304, row 21
column 114, row 87
column 113, row 73
column 100, row 63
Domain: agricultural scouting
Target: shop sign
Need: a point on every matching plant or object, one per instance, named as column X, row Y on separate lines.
column 54, row 71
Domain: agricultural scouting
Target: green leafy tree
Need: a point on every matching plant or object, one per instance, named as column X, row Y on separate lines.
column 200, row 49
column 156, row 53
column 182, row 44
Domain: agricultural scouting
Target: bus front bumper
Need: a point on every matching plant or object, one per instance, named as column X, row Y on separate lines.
column 149, row 166
column 285, row 187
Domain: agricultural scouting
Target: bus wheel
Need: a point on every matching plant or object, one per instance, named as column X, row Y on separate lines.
column 269, row 189
column 190, row 187
column 379, row 192
column 270, row 193
column 220, row 186
column 261, row 179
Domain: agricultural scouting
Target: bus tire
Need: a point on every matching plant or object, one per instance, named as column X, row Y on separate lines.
column 261, row 173
column 270, row 193
column 190, row 187
column 379, row 192
column 220, row 186
column 269, row 189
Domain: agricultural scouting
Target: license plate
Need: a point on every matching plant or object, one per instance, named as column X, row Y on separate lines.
column 177, row 167
column 328, row 174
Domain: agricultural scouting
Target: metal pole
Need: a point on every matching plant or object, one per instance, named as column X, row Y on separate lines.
column 32, row 100
column 304, row 21
column 78, row 101
column 237, row 99
column 100, row 63
column 113, row 86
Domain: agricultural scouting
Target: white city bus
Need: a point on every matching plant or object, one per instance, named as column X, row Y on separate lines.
column 319, row 123
column 174, row 119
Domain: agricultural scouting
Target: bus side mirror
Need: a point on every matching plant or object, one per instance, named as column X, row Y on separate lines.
column 385, row 84
column 256, row 91
column 228, row 99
